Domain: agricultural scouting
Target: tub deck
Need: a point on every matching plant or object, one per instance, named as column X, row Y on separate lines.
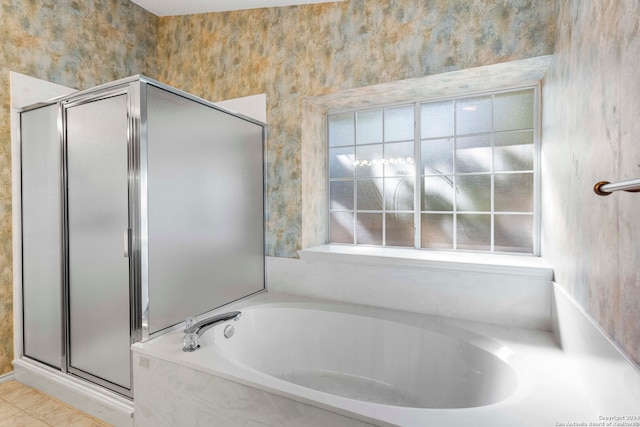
column 174, row 388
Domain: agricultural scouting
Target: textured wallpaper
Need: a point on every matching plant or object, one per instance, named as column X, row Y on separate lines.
column 591, row 133
column 6, row 258
column 295, row 52
column 590, row 108
column 76, row 43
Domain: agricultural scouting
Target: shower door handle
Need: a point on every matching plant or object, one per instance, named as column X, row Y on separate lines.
column 127, row 242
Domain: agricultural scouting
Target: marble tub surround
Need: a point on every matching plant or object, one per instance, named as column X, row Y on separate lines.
column 590, row 132
column 176, row 388
column 172, row 394
column 508, row 295
column 596, row 358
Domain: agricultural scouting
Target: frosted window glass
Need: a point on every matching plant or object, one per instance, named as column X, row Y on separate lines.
column 474, row 232
column 341, row 130
column 437, row 231
column 398, row 123
column 473, row 154
column 399, row 193
column 473, row 193
column 369, row 158
column 399, row 159
column 369, row 194
column 437, row 193
column 473, row 115
column 437, row 156
column 514, row 233
column 399, row 229
column 514, row 110
column 513, row 192
column 436, row 119
column 369, row 127
column 369, row 229
column 475, row 160
column 341, row 195
column 341, row 162
column 341, row 227
column 513, row 151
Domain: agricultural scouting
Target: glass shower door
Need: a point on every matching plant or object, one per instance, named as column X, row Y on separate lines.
column 98, row 220
column 41, row 271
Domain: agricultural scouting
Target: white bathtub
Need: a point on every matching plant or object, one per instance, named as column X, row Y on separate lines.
column 298, row 362
column 381, row 359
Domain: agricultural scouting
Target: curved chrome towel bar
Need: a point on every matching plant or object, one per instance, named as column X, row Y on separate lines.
column 604, row 188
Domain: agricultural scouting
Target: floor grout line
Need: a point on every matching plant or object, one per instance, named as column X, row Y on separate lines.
column 40, row 399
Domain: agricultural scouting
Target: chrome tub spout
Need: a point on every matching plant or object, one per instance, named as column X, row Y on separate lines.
column 194, row 332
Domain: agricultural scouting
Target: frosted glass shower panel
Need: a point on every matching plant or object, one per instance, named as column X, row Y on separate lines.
column 141, row 205
column 41, row 231
column 98, row 215
column 205, row 195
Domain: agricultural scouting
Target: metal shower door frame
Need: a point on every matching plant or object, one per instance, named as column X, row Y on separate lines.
column 133, row 125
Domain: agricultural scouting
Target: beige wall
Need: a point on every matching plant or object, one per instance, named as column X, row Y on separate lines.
column 591, row 132
column 590, row 108
column 288, row 53
column 295, row 52
column 73, row 43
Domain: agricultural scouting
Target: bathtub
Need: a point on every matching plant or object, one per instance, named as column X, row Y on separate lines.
column 293, row 361
column 378, row 360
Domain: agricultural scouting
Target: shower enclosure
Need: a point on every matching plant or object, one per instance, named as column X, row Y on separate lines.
column 141, row 205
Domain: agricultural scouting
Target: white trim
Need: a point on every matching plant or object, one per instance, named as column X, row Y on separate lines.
column 516, row 265
column 7, row 377
column 537, row 169
column 254, row 106
column 193, row 7
column 92, row 399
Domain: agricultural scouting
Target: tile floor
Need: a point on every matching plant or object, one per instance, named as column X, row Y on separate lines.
column 21, row 406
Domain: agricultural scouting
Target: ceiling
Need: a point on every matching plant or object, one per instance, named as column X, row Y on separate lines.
column 189, row 7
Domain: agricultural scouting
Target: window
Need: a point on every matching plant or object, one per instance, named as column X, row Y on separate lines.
column 456, row 174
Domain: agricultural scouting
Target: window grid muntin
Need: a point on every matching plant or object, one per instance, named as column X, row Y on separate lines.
column 417, row 182
column 418, row 176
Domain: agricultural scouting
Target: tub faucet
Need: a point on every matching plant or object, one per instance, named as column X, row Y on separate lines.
column 192, row 333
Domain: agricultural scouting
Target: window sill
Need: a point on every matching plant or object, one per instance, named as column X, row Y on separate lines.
column 517, row 265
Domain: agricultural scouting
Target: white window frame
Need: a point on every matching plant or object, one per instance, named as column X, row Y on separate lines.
column 417, row 211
